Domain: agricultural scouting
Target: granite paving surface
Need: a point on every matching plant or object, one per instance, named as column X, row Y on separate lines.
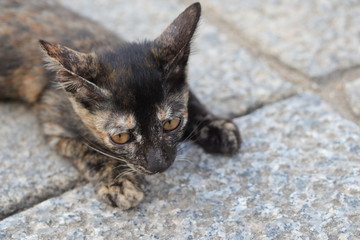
column 30, row 171
column 316, row 37
column 224, row 75
column 297, row 177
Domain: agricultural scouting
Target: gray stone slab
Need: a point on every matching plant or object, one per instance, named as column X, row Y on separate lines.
column 352, row 92
column 224, row 75
column 30, row 172
column 297, row 177
column 313, row 36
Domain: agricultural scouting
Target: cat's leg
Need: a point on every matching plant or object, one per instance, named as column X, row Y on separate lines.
column 212, row 133
column 114, row 182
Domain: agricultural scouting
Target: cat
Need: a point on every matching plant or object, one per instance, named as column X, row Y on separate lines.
column 117, row 110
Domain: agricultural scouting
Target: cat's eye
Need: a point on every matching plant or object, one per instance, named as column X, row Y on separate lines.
column 121, row 138
column 171, row 124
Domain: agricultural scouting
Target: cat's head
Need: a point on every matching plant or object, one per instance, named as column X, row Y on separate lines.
column 132, row 98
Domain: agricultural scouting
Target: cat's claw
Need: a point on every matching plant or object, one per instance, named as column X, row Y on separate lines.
column 123, row 193
column 220, row 136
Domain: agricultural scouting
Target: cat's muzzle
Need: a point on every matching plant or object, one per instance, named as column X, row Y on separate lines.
column 158, row 161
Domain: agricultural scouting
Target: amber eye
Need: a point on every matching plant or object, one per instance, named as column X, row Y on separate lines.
column 171, row 124
column 121, row 138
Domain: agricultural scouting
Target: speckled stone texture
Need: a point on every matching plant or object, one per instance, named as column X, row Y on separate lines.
column 316, row 37
column 353, row 96
column 223, row 75
column 30, row 172
column 296, row 177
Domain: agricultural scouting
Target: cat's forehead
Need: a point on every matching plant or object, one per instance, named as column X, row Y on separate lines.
column 119, row 122
column 174, row 104
column 131, row 74
column 167, row 112
column 122, row 120
column 128, row 58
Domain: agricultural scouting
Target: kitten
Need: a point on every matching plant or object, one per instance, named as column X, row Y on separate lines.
column 115, row 109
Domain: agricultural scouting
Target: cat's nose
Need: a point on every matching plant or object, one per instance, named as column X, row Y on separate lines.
column 157, row 161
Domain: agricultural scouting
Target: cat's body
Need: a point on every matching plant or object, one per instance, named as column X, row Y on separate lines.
column 115, row 109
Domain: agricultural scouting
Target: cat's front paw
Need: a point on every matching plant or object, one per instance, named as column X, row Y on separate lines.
column 220, row 136
column 125, row 192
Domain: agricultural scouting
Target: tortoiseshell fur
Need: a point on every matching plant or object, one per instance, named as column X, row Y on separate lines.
column 98, row 85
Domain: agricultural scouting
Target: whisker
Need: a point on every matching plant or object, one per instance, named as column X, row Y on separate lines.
column 126, row 165
column 121, row 166
column 105, row 154
column 192, row 133
column 121, row 174
column 88, row 143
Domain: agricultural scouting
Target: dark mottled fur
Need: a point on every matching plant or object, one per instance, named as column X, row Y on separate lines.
column 99, row 85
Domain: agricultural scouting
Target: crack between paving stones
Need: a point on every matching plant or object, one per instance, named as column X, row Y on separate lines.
column 258, row 106
column 320, row 86
column 237, row 36
column 73, row 185
column 338, row 74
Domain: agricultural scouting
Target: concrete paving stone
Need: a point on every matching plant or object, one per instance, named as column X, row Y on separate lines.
column 316, row 37
column 224, row 76
column 353, row 96
column 30, row 172
column 297, row 177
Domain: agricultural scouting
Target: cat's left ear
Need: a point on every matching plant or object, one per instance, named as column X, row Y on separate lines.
column 173, row 45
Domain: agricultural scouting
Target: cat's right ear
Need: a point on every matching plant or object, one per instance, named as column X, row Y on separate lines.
column 76, row 71
column 173, row 45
